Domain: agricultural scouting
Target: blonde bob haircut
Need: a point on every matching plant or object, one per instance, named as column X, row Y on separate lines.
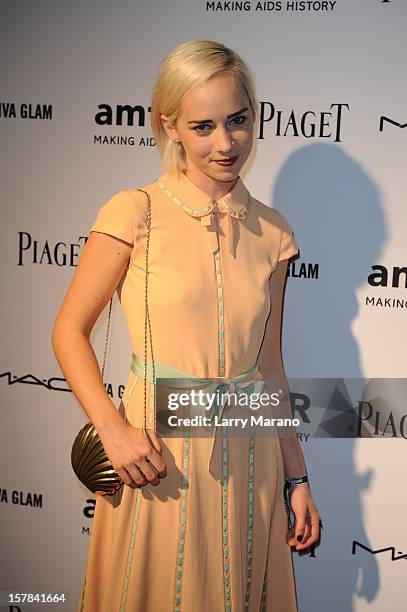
column 190, row 65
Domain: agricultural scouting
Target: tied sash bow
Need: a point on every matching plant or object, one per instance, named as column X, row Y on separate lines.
column 247, row 383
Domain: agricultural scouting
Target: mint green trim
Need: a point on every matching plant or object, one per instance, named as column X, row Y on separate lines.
column 199, row 212
column 225, row 524
column 220, row 309
column 127, row 573
column 250, row 520
column 182, row 525
column 239, row 214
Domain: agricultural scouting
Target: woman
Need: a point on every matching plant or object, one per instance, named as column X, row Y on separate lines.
column 211, row 533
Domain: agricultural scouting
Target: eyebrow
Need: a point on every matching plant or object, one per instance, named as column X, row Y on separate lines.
column 242, row 110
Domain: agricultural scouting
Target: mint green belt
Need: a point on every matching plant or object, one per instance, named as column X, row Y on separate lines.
column 245, row 383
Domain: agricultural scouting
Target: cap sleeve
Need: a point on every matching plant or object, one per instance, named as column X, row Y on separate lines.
column 116, row 217
column 288, row 244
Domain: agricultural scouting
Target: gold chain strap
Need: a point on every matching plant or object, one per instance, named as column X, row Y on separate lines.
column 146, row 317
column 147, row 314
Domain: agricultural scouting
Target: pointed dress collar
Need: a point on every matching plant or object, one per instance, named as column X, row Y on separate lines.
column 196, row 203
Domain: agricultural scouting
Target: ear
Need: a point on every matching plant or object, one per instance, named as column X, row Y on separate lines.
column 170, row 129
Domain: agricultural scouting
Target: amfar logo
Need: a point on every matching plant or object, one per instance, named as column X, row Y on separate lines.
column 122, row 113
column 388, row 549
column 109, row 115
column 310, row 124
column 382, row 277
column 89, row 509
column 10, row 110
column 88, row 512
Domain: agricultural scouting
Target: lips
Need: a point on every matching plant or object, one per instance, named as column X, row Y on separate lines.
column 229, row 161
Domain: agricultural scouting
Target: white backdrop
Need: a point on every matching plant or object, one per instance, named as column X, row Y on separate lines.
column 336, row 65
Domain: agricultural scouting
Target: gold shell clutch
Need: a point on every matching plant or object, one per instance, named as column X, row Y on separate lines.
column 91, row 465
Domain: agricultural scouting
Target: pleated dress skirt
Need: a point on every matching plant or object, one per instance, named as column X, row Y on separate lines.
column 211, row 537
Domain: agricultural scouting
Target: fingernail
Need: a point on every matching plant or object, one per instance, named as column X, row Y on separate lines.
column 299, row 538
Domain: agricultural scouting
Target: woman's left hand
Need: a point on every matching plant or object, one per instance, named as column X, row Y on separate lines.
column 307, row 520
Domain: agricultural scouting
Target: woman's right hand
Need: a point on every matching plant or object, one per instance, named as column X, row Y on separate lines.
column 135, row 454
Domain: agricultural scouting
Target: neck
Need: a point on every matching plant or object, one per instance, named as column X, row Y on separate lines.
column 214, row 188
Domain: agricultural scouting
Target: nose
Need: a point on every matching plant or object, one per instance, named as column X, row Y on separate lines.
column 223, row 141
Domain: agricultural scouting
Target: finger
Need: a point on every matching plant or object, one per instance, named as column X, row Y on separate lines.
column 290, row 537
column 305, row 537
column 300, row 524
column 132, row 476
column 154, row 454
column 124, row 477
column 313, row 529
column 154, row 440
column 136, row 475
column 157, row 461
column 148, row 470
column 290, row 533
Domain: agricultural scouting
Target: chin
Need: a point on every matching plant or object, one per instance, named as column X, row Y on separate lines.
column 226, row 174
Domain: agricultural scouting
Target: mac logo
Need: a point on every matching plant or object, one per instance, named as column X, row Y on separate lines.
column 388, row 120
column 394, row 556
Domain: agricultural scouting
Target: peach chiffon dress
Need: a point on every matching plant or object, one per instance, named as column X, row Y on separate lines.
column 211, row 536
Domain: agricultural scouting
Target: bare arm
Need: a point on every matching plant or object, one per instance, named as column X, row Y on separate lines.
column 102, row 263
column 101, row 266
column 306, row 530
column 272, row 368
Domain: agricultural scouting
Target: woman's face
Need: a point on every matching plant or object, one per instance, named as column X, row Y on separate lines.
column 215, row 123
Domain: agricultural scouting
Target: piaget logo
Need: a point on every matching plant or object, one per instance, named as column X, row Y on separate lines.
column 33, row 251
column 325, row 124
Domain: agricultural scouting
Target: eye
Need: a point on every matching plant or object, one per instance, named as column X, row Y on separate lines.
column 243, row 117
column 201, row 125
